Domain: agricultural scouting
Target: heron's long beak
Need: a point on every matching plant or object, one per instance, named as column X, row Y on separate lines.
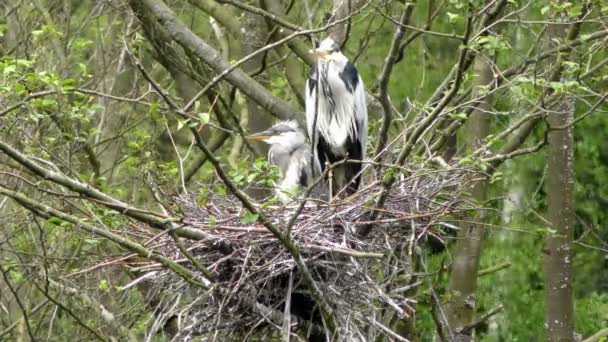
column 261, row 136
column 320, row 54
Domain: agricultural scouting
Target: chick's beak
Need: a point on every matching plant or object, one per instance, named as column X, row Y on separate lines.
column 320, row 54
column 260, row 136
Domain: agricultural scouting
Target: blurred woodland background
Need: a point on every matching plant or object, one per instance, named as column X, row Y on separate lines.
column 115, row 112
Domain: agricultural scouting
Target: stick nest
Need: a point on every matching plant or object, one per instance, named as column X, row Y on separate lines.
column 364, row 278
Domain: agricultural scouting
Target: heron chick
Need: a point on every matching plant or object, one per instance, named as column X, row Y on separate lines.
column 337, row 120
column 290, row 152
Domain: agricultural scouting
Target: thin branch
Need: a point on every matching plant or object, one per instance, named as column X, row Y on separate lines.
column 26, row 319
column 48, row 212
column 420, row 129
column 385, row 75
column 597, row 336
column 494, row 269
column 256, row 10
column 469, row 328
column 226, row 73
column 16, row 322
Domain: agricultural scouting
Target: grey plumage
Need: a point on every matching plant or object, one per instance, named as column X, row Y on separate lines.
column 340, row 130
column 291, row 153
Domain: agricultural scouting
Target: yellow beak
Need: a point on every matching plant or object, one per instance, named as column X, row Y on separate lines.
column 258, row 137
column 320, row 54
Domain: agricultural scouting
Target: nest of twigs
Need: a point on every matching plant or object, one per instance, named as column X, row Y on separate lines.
column 364, row 278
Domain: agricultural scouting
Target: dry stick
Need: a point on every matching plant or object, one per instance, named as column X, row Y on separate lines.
column 48, row 212
column 286, row 331
column 385, row 76
column 199, row 266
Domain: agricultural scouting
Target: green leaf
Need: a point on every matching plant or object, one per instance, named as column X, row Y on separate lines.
column 544, row 10
column 249, row 218
column 203, row 118
column 182, row 123
column 104, row 285
column 54, row 220
column 453, row 17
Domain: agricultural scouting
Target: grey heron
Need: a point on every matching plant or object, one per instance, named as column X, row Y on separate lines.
column 290, row 152
column 337, row 121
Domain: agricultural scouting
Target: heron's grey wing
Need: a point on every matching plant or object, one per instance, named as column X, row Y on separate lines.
column 301, row 158
column 310, row 97
column 356, row 144
column 360, row 109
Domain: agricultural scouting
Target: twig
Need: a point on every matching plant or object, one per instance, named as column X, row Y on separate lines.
column 494, row 268
column 468, row 328
column 385, row 75
column 48, row 212
column 597, row 336
column 18, row 301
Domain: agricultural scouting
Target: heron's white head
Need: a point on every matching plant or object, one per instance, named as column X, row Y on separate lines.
column 328, row 51
column 284, row 134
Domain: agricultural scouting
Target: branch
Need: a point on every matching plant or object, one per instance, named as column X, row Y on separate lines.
column 88, row 192
column 466, row 330
column 256, row 10
column 16, row 322
column 597, row 336
column 89, row 302
column 47, row 212
column 27, row 99
column 18, row 301
column 494, row 269
column 385, row 76
column 222, row 14
column 190, row 41
column 420, row 129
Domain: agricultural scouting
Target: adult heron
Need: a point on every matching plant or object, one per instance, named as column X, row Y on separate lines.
column 290, row 152
column 337, row 120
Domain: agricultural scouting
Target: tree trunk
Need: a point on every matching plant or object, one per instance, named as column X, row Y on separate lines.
column 559, row 299
column 253, row 37
column 463, row 279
